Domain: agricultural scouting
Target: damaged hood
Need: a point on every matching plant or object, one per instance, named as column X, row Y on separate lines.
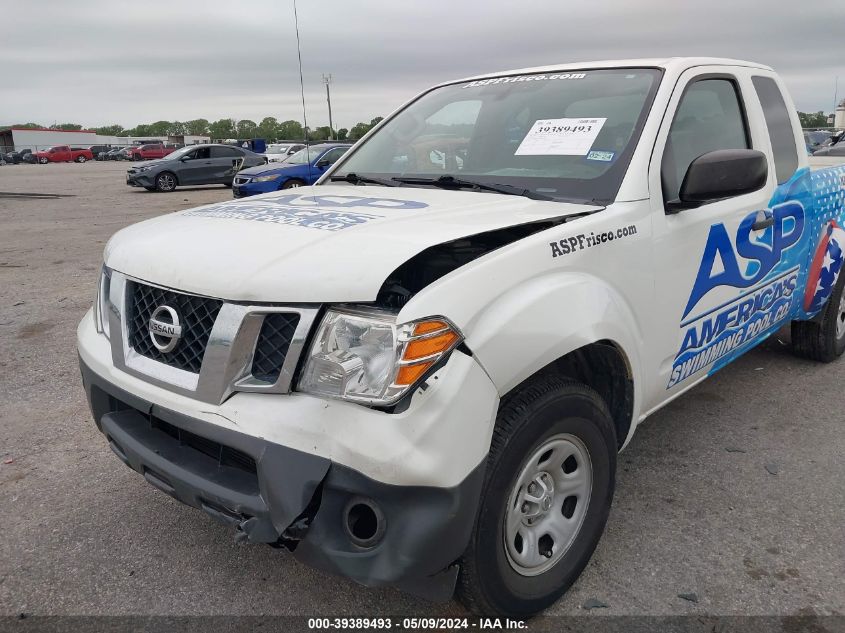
column 332, row 243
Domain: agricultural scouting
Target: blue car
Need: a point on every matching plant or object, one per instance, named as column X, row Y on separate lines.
column 303, row 168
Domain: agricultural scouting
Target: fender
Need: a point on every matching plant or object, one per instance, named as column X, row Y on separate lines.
column 507, row 297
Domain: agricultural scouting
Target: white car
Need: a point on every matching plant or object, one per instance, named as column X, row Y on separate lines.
column 280, row 152
column 419, row 372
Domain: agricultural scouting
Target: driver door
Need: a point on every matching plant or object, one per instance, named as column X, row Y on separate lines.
column 702, row 316
column 196, row 167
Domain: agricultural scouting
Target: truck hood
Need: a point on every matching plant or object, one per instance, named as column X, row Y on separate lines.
column 317, row 244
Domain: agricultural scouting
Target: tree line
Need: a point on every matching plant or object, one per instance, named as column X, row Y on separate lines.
column 268, row 128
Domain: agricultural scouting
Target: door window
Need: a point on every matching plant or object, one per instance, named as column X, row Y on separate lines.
column 333, row 154
column 709, row 117
column 201, row 154
column 779, row 124
column 226, row 152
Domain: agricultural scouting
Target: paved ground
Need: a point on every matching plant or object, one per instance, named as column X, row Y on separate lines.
column 735, row 493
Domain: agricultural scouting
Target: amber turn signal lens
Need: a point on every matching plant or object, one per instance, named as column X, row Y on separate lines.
column 429, row 346
column 427, row 327
column 409, row 374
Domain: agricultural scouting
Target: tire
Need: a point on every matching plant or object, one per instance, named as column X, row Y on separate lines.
column 80, row 159
column 548, row 412
column 292, row 184
column 165, row 182
column 43, row 160
column 823, row 338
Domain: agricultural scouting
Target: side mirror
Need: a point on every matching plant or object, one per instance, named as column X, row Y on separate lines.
column 721, row 174
column 322, row 164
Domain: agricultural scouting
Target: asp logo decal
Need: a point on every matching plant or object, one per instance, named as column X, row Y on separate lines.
column 760, row 255
column 725, row 329
column 327, row 213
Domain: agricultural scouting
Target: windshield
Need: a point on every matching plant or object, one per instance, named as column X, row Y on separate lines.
column 277, row 149
column 566, row 135
column 305, row 156
column 179, row 153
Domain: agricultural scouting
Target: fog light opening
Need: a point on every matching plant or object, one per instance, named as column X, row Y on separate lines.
column 364, row 522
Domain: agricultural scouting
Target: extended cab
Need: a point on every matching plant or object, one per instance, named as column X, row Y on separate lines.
column 63, row 154
column 152, row 151
column 420, row 371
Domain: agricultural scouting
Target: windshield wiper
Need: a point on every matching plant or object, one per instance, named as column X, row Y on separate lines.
column 355, row 179
column 450, row 182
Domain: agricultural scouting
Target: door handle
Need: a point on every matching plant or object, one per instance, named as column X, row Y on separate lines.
column 765, row 223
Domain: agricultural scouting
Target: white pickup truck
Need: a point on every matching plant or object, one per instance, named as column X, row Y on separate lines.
column 419, row 371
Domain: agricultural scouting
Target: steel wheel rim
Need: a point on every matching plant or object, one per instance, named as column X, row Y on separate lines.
column 166, row 181
column 840, row 318
column 547, row 504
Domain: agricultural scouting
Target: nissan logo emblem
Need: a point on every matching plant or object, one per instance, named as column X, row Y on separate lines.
column 165, row 330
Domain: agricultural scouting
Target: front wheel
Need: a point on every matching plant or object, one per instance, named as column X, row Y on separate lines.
column 292, row 184
column 546, row 498
column 165, row 181
column 80, row 159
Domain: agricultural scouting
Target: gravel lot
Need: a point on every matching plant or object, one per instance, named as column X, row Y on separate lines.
column 734, row 493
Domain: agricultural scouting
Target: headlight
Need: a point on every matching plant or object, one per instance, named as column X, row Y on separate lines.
column 101, row 302
column 365, row 356
column 265, row 178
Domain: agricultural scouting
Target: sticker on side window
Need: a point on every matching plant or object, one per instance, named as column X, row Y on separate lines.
column 560, row 137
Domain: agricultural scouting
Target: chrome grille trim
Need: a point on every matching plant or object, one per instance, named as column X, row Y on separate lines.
column 227, row 363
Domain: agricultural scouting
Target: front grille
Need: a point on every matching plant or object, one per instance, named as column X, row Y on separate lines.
column 224, row 455
column 196, row 316
column 273, row 342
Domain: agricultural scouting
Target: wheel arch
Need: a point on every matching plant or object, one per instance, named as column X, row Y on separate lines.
column 604, row 367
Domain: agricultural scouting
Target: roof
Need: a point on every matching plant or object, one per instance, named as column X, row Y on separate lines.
column 44, row 129
column 669, row 63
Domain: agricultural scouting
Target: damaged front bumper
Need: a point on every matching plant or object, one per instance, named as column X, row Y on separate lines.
column 329, row 515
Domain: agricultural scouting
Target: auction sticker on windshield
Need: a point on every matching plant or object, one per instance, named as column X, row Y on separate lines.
column 560, row 137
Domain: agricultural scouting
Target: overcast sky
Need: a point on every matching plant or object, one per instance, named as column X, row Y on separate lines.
column 98, row 62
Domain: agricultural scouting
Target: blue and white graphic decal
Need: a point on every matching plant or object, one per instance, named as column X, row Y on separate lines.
column 789, row 272
column 327, row 213
column 825, row 267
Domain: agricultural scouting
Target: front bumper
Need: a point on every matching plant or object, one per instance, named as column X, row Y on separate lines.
column 255, row 188
column 274, row 494
column 139, row 179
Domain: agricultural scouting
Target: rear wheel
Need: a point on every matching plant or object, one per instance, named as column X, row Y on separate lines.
column 80, row 159
column 547, row 494
column 165, row 181
column 823, row 339
column 43, row 160
column 292, row 184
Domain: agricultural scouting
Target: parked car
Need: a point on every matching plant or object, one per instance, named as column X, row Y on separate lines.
column 99, row 151
column 303, row 168
column 116, row 153
column 17, row 157
column 193, row 165
column 815, row 139
column 280, row 152
column 151, row 151
column 64, row 154
column 421, row 374
column 836, row 147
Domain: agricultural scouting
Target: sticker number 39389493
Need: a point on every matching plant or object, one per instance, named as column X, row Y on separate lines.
column 560, row 137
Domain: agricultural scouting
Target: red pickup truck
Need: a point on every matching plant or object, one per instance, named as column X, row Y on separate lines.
column 151, row 151
column 63, row 154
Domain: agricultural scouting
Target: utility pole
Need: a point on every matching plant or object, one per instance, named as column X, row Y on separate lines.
column 327, row 79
